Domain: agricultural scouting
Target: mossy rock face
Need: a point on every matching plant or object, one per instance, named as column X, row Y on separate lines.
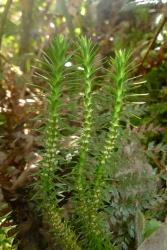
column 157, row 241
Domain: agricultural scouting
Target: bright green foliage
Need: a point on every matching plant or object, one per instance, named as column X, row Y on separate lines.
column 6, row 241
column 99, row 238
column 54, row 62
column 87, row 226
column 85, row 57
column 95, row 222
column 119, row 77
column 96, row 238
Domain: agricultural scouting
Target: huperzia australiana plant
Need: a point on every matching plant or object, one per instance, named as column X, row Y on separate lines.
column 120, row 69
column 85, row 57
column 90, row 230
column 54, row 62
column 96, row 237
column 99, row 238
column 120, row 73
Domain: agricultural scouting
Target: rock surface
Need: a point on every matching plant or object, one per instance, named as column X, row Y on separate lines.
column 157, row 241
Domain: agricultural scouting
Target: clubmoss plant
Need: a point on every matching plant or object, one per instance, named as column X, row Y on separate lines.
column 99, row 238
column 90, row 230
column 85, row 57
column 119, row 75
column 54, row 62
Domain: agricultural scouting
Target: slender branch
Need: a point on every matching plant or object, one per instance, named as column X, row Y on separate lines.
column 153, row 40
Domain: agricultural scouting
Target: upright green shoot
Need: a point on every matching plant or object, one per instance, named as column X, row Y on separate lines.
column 85, row 56
column 54, row 61
column 119, row 74
column 90, row 228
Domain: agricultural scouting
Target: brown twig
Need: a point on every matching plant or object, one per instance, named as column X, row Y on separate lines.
column 153, row 40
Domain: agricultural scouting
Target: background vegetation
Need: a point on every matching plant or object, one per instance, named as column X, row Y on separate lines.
column 26, row 28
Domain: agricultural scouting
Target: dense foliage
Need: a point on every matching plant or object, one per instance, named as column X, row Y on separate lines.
column 81, row 130
column 87, row 224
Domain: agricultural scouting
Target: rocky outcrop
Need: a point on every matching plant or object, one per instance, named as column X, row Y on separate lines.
column 157, row 241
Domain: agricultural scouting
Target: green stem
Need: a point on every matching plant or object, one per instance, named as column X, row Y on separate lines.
column 120, row 76
column 85, row 57
column 55, row 61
